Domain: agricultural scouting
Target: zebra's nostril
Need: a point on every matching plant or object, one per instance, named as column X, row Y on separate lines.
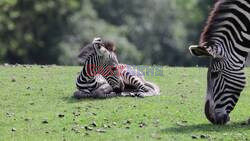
column 222, row 118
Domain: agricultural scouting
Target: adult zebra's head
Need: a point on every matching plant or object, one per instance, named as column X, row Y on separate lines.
column 225, row 40
column 224, row 85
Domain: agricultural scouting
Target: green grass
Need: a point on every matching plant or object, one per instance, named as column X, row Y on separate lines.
column 29, row 95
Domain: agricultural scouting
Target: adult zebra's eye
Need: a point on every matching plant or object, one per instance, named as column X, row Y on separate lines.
column 214, row 74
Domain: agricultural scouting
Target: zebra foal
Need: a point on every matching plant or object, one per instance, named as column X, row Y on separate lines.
column 98, row 77
column 133, row 82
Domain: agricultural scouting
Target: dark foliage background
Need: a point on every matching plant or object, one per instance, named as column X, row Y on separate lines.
column 145, row 31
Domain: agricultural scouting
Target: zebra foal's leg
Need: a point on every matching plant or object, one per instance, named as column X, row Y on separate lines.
column 80, row 94
column 104, row 91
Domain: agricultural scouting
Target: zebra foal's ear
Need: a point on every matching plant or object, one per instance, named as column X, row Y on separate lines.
column 97, row 40
column 199, row 51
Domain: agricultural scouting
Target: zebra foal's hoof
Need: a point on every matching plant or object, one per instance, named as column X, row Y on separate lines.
column 77, row 95
column 80, row 95
column 140, row 94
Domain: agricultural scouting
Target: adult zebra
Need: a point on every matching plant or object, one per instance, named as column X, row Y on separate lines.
column 226, row 40
column 98, row 64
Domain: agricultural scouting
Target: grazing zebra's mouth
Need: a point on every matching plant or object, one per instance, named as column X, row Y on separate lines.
column 215, row 118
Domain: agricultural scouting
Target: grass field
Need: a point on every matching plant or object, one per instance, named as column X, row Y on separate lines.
column 36, row 104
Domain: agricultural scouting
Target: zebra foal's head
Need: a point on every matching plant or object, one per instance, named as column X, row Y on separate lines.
column 105, row 59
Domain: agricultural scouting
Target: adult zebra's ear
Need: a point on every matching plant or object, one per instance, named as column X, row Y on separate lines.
column 199, row 51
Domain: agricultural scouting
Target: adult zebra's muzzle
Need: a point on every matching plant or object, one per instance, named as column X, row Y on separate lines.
column 219, row 118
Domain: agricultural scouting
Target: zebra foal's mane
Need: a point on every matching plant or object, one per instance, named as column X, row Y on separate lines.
column 88, row 50
column 85, row 52
column 109, row 45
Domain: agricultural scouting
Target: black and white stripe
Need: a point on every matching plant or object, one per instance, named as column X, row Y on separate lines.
column 135, row 84
column 226, row 39
column 100, row 62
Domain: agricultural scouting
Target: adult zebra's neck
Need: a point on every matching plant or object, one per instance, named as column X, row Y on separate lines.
column 227, row 31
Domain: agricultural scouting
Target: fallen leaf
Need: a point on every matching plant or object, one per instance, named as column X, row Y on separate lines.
column 61, row 115
column 114, row 123
column 93, row 124
column 194, row 137
column 88, row 128
column 127, row 121
column 64, row 129
column 45, row 121
column 142, row 124
column 181, row 123
column 204, row 136
column 105, row 126
column 156, row 136
column 86, row 134
column 10, row 114
column 27, row 119
column 76, row 114
column 101, row 130
column 13, row 129
column 75, row 129
column 13, row 79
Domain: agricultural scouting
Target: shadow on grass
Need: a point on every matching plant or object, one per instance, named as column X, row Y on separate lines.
column 71, row 99
column 206, row 128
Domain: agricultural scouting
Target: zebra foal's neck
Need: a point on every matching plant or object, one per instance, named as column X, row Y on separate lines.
column 93, row 66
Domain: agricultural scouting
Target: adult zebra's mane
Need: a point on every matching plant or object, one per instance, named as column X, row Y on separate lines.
column 205, row 35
